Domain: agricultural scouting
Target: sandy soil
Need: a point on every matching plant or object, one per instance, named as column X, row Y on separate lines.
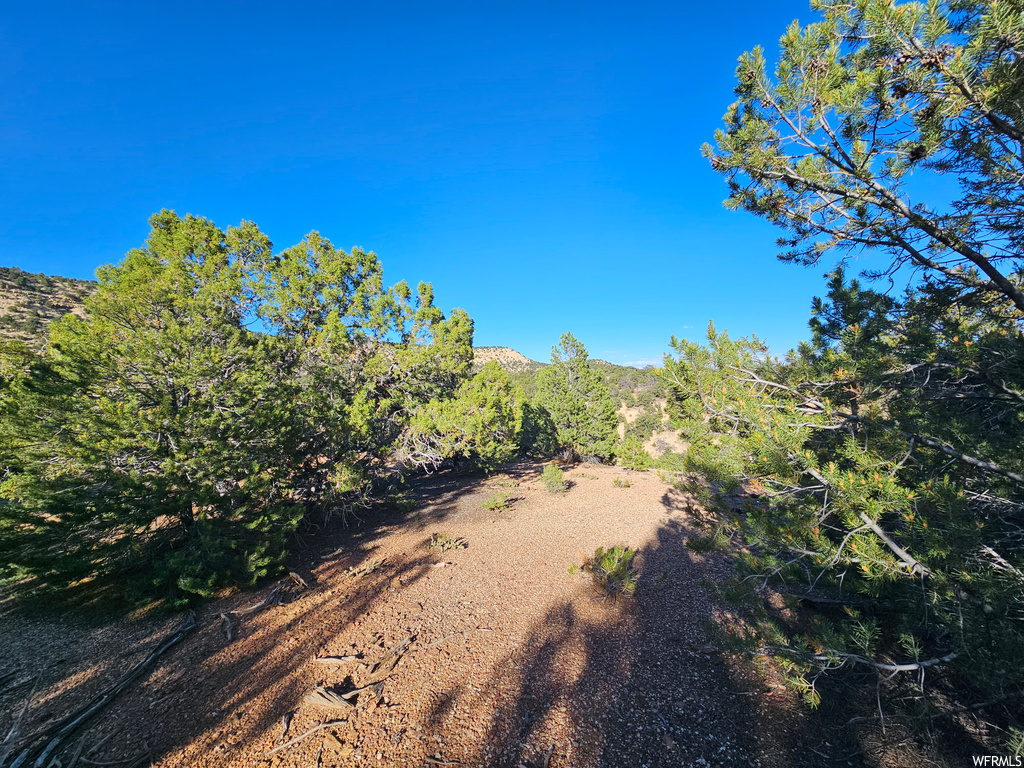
column 512, row 660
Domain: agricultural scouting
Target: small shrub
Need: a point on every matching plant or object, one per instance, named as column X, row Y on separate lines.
column 443, row 542
column 717, row 541
column 620, row 483
column 370, row 566
column 506, row 483
column 632, row 454
column 671, row 461
column 553, row 479
column 500, row 500
column 404, row 502
column 586, row 476
column 610, row 571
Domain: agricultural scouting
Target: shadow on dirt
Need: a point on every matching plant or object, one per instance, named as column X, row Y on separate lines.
column 201, row 691
column 619, row 684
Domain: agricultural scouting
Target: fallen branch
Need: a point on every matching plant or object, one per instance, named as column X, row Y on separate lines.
column 844, row 657
column 337, row 660
column 55, row 735
column 386, row 664
column 225, row 626
column 300, row 737
column 301, row 582
column 274, row 598
column 77, row 753
column 325, row 698
column 7, row 745
column 467, row 633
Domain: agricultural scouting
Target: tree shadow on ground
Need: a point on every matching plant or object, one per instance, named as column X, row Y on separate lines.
column 628, row 683
column 636, row 682
column 204, row 690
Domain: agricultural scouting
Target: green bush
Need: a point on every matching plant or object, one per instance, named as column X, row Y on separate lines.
column 619, row 483
column 632, row 455
column 553, row 479
column 444, row 542
column 717, row 541
column 500, row 500
column 481, row 424
column 160, row 438
column 610, row 570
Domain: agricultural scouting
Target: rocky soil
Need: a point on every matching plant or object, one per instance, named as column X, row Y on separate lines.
column 489, row 655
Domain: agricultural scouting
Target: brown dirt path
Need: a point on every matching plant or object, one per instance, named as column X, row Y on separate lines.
column 511, row 654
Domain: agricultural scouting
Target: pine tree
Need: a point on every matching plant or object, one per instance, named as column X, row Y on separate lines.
column 882, row 457
column 160, row 436
column 578, row 401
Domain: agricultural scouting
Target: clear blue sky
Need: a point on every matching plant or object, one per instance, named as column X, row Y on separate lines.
column 538, row 163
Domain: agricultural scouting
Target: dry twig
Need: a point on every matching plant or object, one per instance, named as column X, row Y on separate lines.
column 300, row 737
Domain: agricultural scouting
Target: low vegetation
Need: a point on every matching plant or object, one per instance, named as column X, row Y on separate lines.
column 610, row 570
column 444, row 542
column 554, row 479
column 500, row 500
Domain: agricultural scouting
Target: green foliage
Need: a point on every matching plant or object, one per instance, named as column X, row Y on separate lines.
column 445, row 542
column 483, row 424
column 553, row 479
column 631, row 454
column 872, row 94
column 500, row 500
column 670, row 461
column 610, row 571
column 578, row 401
column 886, row 450
column 717, row 541
column 539, row 437
column 644, row 425
column 620, row 483
column 161, row 437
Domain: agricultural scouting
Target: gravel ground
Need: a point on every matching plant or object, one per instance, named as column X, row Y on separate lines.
column 512, row 661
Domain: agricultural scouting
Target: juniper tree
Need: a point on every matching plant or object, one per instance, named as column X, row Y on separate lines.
column 482, row 423
column 162, row 435
column 578, row 401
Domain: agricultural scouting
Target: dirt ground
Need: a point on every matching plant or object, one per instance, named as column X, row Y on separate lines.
column 510, row 659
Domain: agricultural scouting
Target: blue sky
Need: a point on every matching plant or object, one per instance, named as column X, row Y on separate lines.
column 538, row 163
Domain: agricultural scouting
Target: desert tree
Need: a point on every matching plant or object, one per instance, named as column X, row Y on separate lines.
column 578, row 401
column 215, row 395
column 880, row 460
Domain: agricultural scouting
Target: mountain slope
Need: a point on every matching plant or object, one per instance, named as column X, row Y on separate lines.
column 30, row 302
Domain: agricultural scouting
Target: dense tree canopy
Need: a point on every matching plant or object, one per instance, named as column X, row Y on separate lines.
column 165, row 430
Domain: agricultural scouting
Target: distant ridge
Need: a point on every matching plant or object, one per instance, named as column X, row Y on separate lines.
column 507, row 358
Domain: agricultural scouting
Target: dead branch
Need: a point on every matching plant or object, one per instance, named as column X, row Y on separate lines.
column 225, row 626
column 7, row 745
column 337, row 661
column 386, row 664
column 302, row 583
column 78, row 752
column 325, row 698
column 300, row 737
column 53, row 736
column 274, row 598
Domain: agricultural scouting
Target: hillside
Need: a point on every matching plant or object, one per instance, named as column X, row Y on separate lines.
column 507, row 358
column 29, row 302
